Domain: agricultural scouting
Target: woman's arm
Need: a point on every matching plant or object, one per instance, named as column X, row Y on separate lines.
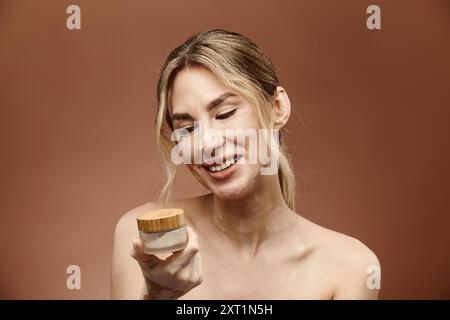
column 177, row 274
column 127, row 281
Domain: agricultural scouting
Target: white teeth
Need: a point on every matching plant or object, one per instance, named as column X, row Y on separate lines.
column 221, row 167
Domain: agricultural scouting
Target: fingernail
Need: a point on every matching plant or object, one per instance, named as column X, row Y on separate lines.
column 135, row 243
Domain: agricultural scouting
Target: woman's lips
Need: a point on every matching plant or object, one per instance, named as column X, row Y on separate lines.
column 223, row 174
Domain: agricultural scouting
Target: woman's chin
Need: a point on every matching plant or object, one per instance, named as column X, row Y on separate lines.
column 232, row 191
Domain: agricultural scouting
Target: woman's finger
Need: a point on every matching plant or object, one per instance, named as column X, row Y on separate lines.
column 181, row 258
column 137, row 252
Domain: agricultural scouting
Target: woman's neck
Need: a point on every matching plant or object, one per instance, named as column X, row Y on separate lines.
column 247, row 222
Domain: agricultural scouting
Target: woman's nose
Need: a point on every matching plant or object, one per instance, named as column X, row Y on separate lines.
column 212, row 140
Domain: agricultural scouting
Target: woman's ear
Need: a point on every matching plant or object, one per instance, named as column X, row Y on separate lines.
column 281, row 108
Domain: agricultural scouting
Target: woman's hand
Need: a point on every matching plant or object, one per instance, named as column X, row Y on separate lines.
column 173, row 277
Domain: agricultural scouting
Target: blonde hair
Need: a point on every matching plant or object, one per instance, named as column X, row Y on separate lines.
column 239, row 64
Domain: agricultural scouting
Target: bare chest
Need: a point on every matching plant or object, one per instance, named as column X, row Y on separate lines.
column 278, row 279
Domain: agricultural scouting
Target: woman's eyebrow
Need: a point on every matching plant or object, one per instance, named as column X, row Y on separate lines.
column 210, row 106
column 217, row 101
column 181, row 116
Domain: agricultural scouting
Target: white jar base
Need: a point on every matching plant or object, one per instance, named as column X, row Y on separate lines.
column 164, row 242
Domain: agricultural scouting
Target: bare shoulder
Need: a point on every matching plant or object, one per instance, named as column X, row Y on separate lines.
column 351, row 263
column 338, row 246
column 348, row 250
column 128, row 220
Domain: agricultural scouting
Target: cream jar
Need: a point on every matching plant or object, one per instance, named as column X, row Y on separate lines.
column 162, row 231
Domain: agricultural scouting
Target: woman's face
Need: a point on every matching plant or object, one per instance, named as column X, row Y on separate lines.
column 205, row 108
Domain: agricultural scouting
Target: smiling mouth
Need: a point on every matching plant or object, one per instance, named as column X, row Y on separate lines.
column 221, row 167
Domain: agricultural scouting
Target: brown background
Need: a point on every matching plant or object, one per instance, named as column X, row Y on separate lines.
column 369, row 136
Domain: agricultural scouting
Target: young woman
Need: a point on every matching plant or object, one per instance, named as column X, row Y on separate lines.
column 245, row 240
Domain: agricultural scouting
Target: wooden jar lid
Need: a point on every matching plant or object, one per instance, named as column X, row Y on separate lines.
column 161, row 220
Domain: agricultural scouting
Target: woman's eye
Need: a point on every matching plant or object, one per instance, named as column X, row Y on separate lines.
column 183, row 132
column 189, row 129
column 226, row 114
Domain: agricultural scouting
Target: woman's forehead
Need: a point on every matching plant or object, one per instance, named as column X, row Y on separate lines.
column 197, row 82
column 195, row 87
